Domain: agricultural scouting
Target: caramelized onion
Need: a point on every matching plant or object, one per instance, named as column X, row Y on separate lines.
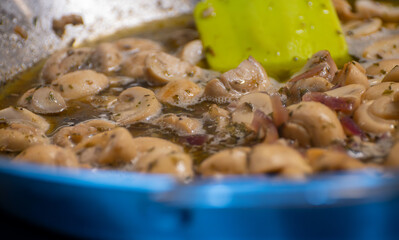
column 262, row 124
column 335, row 103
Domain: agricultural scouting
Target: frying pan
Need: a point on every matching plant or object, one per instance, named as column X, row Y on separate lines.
column 105, row 204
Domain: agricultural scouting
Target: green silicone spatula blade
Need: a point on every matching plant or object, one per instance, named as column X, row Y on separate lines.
column 280, row 34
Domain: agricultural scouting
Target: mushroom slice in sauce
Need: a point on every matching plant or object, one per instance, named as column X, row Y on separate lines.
column 158, row 161
column 135, row 104
column 360, row 28
column 134, row 65
column 161, row 156
column 381, row 89
column 272, row 158
column 43, row 100
column 368, row 9
column 80, row 84
column 22, row 115
column 69, row 137
column 298, row 88
column 393, row 75
column 106, row 57
column 192, row 52
column 322, row 160
column 352, row 73
column 109, row 148
column 382, row 67
column 313, row 124
column 163, row 68
column 65, row 61
column 226, row 162
column 183, row 125
column 180, row 93
column 370, row 122
column 386, row 48
column 48, row 154
column 248, row 104
column 249, row 76
column 15, row 137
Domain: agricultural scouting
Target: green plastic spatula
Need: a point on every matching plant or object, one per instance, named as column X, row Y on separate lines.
column 280, row 34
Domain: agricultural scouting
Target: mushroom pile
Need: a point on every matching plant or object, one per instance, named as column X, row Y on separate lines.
column 145, row 106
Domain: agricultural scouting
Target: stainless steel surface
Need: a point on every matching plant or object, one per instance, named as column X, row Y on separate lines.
column 101, row 18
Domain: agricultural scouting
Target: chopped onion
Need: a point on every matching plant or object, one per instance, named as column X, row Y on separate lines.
column 335, row 103
column 263, row 124
column 350, row 127
column 280, row 113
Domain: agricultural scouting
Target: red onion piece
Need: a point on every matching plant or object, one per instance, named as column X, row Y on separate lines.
column 195, row 140
column 335, row 103
column 280, row 113
column 262, row 122
column 350, row 127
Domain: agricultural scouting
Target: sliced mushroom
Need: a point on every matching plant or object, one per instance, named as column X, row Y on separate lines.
column 162, row 68
column 178, row 164
column 192, row 52
column 369, row 9
column 218, row 116
column 145, row 145
column 109, row 148
column 361, row 28
column 215, row 91
column 22, row 115
column 226, row 162
column 382, row 67
column 320, row 64
column 43, row 100
column 48, row 154
column 384, row 107
column 276, row 158
column 393, row 75
column 134, row 65
column 248, row 104
column 370, row 122
column 133, row 45
column 298, row 88
column 65, row 61
column 69, row 137
column 15, row 137
column 155, row 155
column 393, row 157
column 106, row 57
column 249, row 76
column 386, row 48
column 352, row 92
column 135, row 104
column 322, row 160
column 313, row 124
column 352, row 73
column 182, row 125
column 180, row 93
column 381, row 89
column 344, row 10
column 80, row 84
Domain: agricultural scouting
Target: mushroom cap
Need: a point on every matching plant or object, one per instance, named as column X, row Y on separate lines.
column 313, row 124
column 226, row 162
column 48, row 154
column 80, row 84
column 271, row 158
column 135, row 104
